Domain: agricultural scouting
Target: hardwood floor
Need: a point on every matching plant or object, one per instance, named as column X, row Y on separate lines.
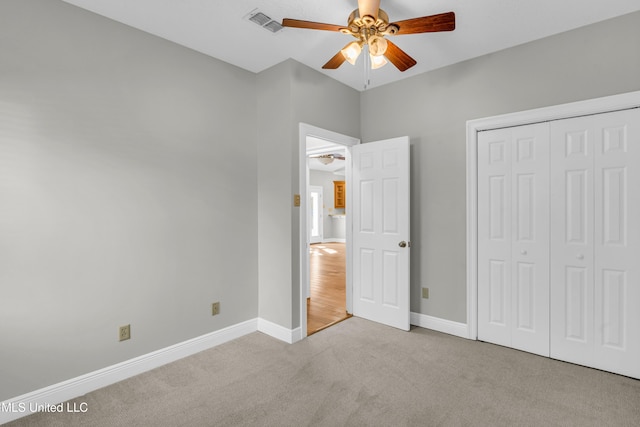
column 327, row 305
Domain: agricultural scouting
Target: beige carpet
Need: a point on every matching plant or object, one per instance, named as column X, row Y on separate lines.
column 359, row 373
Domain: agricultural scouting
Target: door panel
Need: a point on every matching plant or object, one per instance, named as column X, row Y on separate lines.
column 525, row 296
column 381, row 222
column 595, row 278
column 530, row 240
column 494, row 237
column 389, row 279
column 576, row 304
column 498, row 294
column 513, row 188
column 572, row 256
column 617, row 243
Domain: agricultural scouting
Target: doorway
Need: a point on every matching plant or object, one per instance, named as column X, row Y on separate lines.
column 326, row 302
column 325, row 158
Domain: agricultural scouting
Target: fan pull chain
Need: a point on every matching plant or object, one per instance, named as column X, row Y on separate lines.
column 367, row 68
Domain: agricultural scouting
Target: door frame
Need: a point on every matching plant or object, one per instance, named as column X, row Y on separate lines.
column 306, row 130
column 318, row 189
column 557, row 112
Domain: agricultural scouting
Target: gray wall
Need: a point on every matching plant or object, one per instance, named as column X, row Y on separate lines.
column 275, row 195
column 290, row 93
column 432, row 108
column 128, row 193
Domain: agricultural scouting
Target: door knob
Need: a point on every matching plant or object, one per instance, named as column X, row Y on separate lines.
column 402, row 244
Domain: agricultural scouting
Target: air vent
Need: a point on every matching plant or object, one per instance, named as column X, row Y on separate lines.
column 260, row 18
column 273, row 26
column 264, row 21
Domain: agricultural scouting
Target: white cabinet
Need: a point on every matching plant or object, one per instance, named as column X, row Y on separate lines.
column 559, row 239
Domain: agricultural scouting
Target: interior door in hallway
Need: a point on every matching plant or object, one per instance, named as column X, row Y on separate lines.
column 380, row 186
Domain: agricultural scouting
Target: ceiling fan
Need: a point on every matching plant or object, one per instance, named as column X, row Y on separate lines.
column 369, row 25
column 326, row 159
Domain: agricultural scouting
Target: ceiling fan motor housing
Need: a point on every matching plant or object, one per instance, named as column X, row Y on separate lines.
column 368, row 28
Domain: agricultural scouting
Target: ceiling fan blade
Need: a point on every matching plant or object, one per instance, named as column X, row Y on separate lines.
column 427, row 24
column 336, row 61
column 369, row 7
column 297, row 23
column 398, row 57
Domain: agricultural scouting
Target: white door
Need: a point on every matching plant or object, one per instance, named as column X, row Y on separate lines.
column 494, row 236
column 380, row 189
column 316, row 217
column 513, row 237
column 595, row 267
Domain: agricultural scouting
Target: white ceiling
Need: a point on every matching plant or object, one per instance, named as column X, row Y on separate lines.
column 218, row 28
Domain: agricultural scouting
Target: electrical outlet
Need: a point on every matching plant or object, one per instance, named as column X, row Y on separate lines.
column 425, row 292
column 125, row 332
column 215, row 308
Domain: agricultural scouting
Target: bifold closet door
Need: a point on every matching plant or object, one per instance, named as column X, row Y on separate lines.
column 513, row 237
column 595, row 241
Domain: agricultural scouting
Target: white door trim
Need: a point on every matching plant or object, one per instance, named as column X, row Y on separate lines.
column 320, row 237
column 557, row 112
column 306, row 130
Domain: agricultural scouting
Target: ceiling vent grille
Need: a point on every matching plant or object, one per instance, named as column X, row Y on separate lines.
column 264, row 21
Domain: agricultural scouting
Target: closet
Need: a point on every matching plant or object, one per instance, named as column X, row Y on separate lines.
column 558, row 239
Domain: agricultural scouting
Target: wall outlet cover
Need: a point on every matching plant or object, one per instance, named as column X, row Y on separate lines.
column 125, row 332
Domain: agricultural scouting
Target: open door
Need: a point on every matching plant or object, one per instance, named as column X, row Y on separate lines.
column 380, row 188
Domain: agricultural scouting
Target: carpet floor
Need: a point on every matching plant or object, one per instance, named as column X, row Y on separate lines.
column 359, row 373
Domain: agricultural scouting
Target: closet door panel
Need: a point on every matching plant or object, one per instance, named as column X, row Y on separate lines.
column 617, row 243
column 595, row 241
column 513, row 238
column 494, row 236
column 530, row 238
column 571, row 250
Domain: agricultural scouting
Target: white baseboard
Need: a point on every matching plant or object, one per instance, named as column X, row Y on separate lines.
column 22, row 406
column 334, row 240
column 440, row 325
column 274, row 330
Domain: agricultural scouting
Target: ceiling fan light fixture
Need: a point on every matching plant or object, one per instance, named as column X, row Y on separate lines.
column 325, row 159
column 377, row 61
column 377, row 45
column 351, row 52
